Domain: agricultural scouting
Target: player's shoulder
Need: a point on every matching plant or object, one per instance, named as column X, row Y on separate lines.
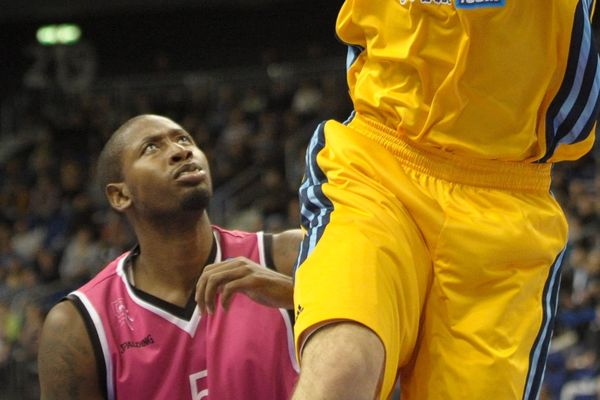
column 234, row 243
column 64, row 320
column 233, row 233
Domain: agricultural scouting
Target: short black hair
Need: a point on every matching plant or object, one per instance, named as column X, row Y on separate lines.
column 109, row 167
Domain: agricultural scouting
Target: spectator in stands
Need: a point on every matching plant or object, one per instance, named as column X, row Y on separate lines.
column 81, row 258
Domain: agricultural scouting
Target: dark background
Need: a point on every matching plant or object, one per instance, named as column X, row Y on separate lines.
column 194, row 35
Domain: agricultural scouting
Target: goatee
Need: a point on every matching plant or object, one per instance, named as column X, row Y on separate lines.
column 196, row 200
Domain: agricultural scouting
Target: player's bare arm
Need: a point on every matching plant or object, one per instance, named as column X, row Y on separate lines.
column 263, row 285
column 286, row 246
column 66, row 362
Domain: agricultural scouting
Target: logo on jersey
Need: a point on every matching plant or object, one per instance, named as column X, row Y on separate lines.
column 478, row 3
column 447, row 2
column 120, row 310
column 131, row 344
column 299, row 309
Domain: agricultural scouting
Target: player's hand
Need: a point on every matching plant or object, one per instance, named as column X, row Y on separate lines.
column 241, row 275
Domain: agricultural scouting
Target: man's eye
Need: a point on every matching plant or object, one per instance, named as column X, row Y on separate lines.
column 149, row 148
column 184, row 139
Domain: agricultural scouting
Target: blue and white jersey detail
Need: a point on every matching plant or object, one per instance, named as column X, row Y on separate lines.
column 573, row 111
column 316, row 207
column 352, row 54
column 539, row 352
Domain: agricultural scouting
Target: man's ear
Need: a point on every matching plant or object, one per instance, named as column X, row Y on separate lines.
column 118, row 196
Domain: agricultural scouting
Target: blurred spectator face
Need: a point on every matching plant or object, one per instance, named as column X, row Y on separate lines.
column 84, row 235
column 45, row 197
column 585, row 205
column 272, row 179
column 47, row 264
column 41, row 159
column 15, row 273
column 71, row 176
column 576, row 188
column 307, row 99
column 577, row 257
column 28, row 278
column 82, row 202
column 593, row 262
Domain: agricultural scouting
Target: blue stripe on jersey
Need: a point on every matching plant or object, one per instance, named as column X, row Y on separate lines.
column 590, row 7
column 573, row 111
column 350, row 117
column 316, row 207
column 572, row 129
column 539, row 352
column 352, row 54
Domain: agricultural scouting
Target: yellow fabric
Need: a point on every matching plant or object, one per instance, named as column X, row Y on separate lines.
column 476, row 81
column 444, row 259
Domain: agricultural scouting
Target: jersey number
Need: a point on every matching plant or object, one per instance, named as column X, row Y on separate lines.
column 197, row 383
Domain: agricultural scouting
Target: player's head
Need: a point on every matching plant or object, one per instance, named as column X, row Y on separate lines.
column 152, row 165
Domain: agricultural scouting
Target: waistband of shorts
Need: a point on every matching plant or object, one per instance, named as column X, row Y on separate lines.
column 496, row 174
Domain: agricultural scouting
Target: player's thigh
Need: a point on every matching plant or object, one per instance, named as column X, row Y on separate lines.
column 363, row 258
column 489, row 314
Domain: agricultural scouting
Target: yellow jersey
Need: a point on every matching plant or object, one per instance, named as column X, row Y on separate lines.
column 513, row 80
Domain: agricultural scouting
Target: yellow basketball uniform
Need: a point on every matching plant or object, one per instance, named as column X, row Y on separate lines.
column 511, row 80
column 428, row 213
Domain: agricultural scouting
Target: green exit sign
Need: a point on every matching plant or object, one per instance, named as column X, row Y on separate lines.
column 50, row 35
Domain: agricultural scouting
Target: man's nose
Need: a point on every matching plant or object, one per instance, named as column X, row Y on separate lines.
column 180, row 153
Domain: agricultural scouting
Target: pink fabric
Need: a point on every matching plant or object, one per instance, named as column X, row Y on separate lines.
column 243, row 353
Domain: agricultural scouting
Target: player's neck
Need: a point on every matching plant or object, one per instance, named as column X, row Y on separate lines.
column 169, row 264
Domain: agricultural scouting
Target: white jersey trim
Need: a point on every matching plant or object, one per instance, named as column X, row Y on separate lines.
column 290, row 339
column 103, row 342
column 260, row 239
column 284, row 313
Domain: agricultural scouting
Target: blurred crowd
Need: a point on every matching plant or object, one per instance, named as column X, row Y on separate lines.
column 56, row 230
column 573, row 366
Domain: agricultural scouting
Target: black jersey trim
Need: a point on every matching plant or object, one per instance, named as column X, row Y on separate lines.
column 93, row 334
column 292, row 316
column 268, row 248
column 184, row 313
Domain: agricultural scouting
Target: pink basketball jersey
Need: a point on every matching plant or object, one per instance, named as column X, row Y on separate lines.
column 147, row 348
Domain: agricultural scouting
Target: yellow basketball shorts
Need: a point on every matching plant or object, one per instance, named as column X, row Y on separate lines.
column 453, row 263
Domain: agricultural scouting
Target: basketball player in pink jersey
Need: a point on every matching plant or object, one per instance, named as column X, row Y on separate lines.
column 193, row 311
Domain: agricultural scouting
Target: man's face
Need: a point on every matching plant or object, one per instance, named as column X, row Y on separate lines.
column 163, row 169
